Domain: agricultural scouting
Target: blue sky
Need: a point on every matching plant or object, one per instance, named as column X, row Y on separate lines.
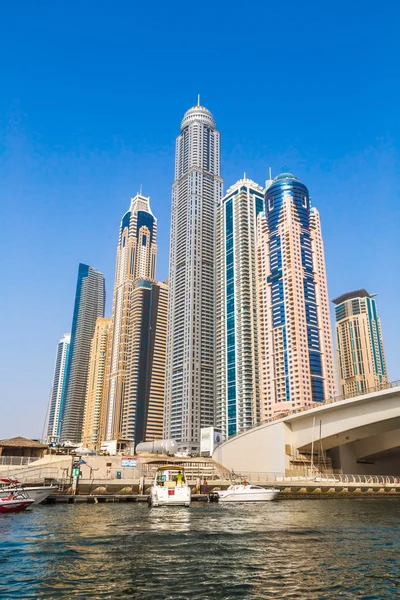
column 91, row 98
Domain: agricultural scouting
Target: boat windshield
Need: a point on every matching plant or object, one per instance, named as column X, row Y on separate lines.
column 170, row 476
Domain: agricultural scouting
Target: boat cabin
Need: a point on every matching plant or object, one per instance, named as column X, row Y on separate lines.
column 170, row 476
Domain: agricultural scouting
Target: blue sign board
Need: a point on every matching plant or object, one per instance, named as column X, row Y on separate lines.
column 128, row 462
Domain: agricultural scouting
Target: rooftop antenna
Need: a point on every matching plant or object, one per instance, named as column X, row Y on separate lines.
column 140, row 189
column 270, row 173
column 198, row 99
column 244, row 175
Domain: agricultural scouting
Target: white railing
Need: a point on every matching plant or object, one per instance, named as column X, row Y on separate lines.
column 34, row 475
column 17, row 461
column 320, row 478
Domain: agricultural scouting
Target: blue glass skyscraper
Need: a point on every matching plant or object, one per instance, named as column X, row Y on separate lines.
column 58, row 389
column 89, row 304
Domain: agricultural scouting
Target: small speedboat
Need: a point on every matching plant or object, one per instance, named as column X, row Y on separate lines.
column 242, row 492
column 170, row 487
column 15, row 502
column 37, row 494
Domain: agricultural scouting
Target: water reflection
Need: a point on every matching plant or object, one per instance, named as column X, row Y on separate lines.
column 169, row 519
column 289, row 549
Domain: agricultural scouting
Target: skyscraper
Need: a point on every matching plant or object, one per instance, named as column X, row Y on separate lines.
column 89, row 304
column 189, row 390
column 93, row 421
column 295, row 344
column 359, row 345
column 136, row 258
column 143, row 405
column 236, row 343
column 58, row 389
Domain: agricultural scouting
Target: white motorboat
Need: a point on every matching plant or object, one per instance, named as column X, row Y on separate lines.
column 240, row 492
column 37, row 494
column 170, row 487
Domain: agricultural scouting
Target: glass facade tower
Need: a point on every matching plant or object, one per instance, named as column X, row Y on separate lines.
column 89, row 304
column 236, row 344
column 189, row 390
column 143, row 406
column 296, row 356
column 58, row 389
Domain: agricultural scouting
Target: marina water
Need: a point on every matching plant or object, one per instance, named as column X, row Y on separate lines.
column 311, row 549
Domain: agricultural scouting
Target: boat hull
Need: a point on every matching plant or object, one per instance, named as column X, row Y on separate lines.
column 248, row 497
column 38, row 494
column 11, row 506
column 241, row 492
column 179, row 496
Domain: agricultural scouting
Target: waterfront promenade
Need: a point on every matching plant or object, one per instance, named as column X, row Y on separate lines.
column 104, row 478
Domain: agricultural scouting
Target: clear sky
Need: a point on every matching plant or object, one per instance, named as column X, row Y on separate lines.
column 91, row 98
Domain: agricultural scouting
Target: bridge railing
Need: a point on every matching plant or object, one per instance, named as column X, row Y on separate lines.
column 318, row 478
column 377, row 388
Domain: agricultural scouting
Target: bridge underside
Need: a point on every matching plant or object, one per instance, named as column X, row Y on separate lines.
column 377, row 454
column 359, row 436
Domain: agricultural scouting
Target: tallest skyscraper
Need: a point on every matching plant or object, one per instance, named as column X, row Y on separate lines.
column 189, row 392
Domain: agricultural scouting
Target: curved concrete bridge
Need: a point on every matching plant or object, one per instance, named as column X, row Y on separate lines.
column 357, row 435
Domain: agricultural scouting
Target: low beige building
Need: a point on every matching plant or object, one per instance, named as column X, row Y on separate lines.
column 22, row 447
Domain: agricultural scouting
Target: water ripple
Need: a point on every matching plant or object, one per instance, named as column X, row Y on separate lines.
column 285, row 550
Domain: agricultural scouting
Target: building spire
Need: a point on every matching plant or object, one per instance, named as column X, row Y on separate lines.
column 198, row 99
column 140, row 189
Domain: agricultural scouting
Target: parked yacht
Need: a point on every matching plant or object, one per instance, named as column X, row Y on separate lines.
column 242, row 492
column 170, row 487
column 37, row 494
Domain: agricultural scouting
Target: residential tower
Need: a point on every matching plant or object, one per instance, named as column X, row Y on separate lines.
column 236, row 315
column 58, row 389
column 93, row 422
column 136, row 258
column 359, row 346
column 143, row 406
column 295, row 343
column 189, row 390
column 89, row 304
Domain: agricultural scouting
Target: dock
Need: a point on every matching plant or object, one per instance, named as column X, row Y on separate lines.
column 297, row 491
column 102, row 498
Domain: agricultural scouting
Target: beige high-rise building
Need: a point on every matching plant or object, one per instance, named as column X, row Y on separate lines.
column 93, row 421
column 359, row 346
column 143, row 405
column 189, row 388
column 136, row 258
column 295, row 340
